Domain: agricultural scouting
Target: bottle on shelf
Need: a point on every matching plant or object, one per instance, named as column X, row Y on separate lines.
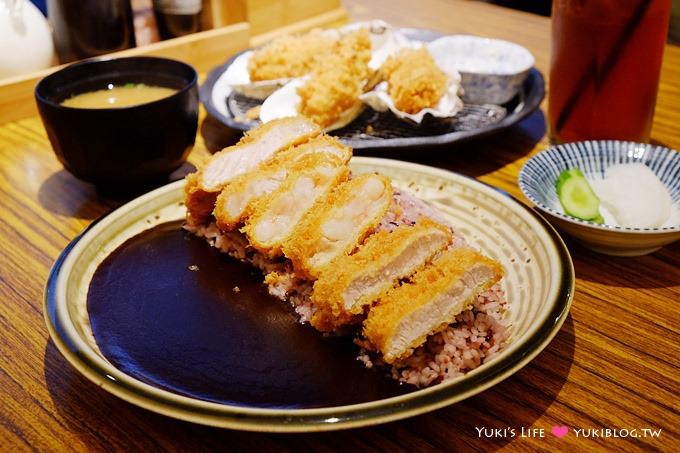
column 89, row 28
column 177, row 17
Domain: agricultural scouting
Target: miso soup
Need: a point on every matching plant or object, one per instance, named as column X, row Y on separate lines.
column 119, row 96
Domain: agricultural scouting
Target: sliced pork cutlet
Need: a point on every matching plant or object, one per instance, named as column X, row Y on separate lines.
column 256, row 147
column 237, row 200
column 351, row 282
column 276, row 215
column 338, row 224
column 405, row 316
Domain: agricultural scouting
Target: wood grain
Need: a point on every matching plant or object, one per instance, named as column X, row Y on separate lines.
column 332, row 18
column 614, row 364
column 267, row 15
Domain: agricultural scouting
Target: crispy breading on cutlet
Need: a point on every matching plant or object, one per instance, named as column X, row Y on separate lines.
column 337, row 80
column 351, row 282
column 339, row 223
column 199, row 202
column 322, row 144
column 414, row 80
column 255, row 148
column 276, row 215
column 405, row 316
column 236, row 201
column 325, row 321
column 289, row 55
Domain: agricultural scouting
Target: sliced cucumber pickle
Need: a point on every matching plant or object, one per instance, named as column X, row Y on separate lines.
column 577, row 197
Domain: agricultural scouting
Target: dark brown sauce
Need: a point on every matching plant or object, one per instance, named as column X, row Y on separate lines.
column 189, row 332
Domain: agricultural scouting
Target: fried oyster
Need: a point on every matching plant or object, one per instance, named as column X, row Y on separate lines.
column 289, row 56
column 415, row 82
column 331, row 94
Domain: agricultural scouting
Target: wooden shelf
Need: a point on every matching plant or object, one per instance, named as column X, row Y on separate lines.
column 264, row 16
column 203, row 50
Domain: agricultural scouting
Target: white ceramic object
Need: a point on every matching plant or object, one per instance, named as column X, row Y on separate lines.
column 25, row 39
column 492, row 70
column 539, row 174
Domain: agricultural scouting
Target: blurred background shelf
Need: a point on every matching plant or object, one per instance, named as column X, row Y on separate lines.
column 230, row 26
column 265, row 16
column 201, row 50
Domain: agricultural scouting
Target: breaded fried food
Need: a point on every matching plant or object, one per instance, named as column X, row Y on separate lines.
column 355, row 51
column 237, row 199
column 255, row 148
column 405, row 316
column 289, row 56
column 332, row 92
column 351, row 282
column 414, row 80
column 338, row 224
column 275, row 216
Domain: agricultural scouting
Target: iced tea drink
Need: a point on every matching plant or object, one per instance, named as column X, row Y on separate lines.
column 604, row 70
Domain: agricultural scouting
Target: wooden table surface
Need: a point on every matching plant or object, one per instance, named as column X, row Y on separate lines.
column 614, row 364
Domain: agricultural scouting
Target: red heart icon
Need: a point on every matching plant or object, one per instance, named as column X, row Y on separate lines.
column 559, row 431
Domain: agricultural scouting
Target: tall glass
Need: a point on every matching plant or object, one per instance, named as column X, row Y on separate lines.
column 604, row 70
column 89, row 28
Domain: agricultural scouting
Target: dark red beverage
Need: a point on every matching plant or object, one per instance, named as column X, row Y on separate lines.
column 605, row 64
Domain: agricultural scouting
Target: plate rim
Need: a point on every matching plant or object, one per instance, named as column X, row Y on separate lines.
column 316, row 419
column 533, row 88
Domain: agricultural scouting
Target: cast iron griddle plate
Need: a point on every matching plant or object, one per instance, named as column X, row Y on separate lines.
column 387, row 132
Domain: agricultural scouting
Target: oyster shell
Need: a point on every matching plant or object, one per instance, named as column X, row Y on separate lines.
column 238, row 78
column 284, row 102
column 385, row 40
column 448, row 106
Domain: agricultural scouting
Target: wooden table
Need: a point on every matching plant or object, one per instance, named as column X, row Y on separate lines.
column 613, row 365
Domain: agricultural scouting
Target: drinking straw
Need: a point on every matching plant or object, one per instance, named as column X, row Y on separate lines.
column 609, row 63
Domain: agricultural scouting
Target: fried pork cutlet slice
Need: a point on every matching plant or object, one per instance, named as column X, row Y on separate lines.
column 414, row 80
column 275, row 216
column 289, row 56
column 351, row 282
column 331, row 95
column 237, row 200
column 405, row 316
column 255, row 148
column 339, row 223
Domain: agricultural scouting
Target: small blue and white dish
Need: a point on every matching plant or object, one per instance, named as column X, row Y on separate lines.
column 492, row 70
column 539, row 174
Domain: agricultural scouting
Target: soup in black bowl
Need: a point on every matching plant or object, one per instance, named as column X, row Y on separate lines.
column 144, row 133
